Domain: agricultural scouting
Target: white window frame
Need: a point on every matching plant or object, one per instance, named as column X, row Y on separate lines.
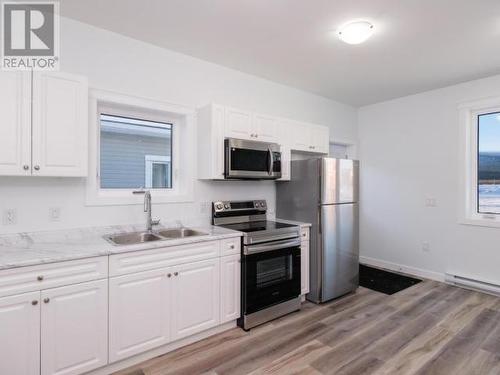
column 468, row 116
column 156, row 159
column 183, row 147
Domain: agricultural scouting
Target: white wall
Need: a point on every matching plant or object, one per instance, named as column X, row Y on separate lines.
column 409, row 150
column 120, row 64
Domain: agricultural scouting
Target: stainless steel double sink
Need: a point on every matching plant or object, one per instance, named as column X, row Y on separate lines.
column 134, row 238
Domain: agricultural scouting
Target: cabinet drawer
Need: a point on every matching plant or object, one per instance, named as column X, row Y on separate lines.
column 137, row 261
column 231, row 246
column 27, row 279
column 304, row 234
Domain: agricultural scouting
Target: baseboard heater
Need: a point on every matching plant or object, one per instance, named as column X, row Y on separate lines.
column 478, row 285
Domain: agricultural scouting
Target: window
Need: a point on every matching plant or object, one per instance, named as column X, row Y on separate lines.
column 480, row 162
column 158, row 172
column 135, row 153
column 488, row 167
column 139, row 143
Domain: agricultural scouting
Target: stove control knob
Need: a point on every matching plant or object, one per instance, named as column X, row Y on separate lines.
column 226, row 206
column 219, row 206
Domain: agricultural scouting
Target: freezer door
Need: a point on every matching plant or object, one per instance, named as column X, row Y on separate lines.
column 340, row 180
column 340, row 250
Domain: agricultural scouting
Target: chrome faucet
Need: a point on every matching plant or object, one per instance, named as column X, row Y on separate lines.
column 147, row 208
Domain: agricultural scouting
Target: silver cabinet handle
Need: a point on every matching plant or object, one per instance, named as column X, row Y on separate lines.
column 36, row 167
column 34, row 303
column 176, row 273
column 231, row 247
column 26, row 167
column 46, row 300
column 40, row 278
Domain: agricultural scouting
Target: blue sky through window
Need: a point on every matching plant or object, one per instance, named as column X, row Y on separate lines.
column 489, row 132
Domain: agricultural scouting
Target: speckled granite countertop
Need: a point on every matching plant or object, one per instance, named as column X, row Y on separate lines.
column 28, row 249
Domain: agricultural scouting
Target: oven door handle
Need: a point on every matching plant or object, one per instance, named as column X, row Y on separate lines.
column 255, row 249
column 271, row 161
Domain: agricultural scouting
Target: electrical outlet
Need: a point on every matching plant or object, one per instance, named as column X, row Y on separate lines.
column 430, row 202
column 426, row 246
column 54, row 214
column 9, row 216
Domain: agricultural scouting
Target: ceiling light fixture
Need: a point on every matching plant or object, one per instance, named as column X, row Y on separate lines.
column 355, row 32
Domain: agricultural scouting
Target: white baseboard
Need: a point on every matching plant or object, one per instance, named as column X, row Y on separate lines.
column 402, row 268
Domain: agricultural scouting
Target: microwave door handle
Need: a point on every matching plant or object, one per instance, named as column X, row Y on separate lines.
column 271, row 161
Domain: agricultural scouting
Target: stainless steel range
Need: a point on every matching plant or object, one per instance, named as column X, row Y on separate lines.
column 270, row 261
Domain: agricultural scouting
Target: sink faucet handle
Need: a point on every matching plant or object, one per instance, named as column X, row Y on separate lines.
column 155, row 222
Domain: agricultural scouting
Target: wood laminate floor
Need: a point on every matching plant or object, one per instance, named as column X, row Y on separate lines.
column 430, row 328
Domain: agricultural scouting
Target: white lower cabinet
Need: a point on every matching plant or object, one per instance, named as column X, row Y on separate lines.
column 195, row 298
column 139, row 312
column 74, row 329
column 230, row 287
column 20, row 334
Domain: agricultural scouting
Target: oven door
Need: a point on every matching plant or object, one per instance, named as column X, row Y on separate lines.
column 270, row 274
column 251, row 160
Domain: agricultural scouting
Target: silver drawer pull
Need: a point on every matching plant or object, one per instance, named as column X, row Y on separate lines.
column 40, row 278
column 231, row 247
column 169, row 275
column 176, row 273
column 46, row 300
column 34, row 303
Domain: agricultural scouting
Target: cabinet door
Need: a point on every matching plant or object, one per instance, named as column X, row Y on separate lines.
column 265, row 128
column 15, row 128
column 139, row 315
column 238, row 124
column 74, row 328
column 301, row 137
column 230, row 287
column 320, row 139
column 60, row 125
column 20, row 334
column 286, row 159
column 195, row 298
column 304, row 267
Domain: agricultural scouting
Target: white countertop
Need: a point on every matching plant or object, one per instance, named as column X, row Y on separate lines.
column 27, row 249
column 292, row 222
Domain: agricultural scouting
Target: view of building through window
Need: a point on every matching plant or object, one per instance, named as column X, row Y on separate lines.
column 135, row 153
column 489, row 163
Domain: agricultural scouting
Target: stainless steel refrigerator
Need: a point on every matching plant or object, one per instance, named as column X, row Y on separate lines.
column 324, row 192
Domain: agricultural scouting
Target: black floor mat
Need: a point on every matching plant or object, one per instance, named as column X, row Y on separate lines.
column 384, row 281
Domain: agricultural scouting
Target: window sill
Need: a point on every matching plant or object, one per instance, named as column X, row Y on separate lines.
column 481, row 222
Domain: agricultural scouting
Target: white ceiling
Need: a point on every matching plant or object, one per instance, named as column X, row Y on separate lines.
column 418, row 45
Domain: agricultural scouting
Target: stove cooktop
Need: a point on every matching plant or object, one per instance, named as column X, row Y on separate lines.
column 256, row 226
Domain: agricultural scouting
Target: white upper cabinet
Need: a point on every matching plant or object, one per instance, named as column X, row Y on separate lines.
column 20, row 334
column 15, row 128
column 217, row 122
column 238, row 123
column 74, row 328
column 309, row 138
column 265, row 128
column 60, row 117
column 44, row 124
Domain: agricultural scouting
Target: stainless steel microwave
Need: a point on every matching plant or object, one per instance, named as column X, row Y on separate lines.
column 251, row 160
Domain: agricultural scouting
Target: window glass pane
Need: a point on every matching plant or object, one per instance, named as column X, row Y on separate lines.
column 489, row 163
column 128, row 151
